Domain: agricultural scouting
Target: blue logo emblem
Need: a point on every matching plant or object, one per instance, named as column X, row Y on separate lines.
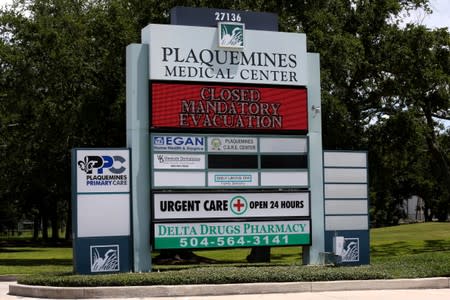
column 350, row 252
column 105, row 258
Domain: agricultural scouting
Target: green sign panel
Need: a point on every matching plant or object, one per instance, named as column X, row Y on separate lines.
column 231, row 234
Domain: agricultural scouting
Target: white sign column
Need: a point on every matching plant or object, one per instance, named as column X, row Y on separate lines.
column 347, row 206
column 137, row 141
column 311, row 254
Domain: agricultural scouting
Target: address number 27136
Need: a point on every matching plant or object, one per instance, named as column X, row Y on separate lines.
column 226, row 16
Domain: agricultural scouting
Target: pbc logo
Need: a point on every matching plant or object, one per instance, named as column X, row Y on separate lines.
column 100, row 163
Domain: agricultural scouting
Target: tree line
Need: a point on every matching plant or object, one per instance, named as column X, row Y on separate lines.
column 385, row 89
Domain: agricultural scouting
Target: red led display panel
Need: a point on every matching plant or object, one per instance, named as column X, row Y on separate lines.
column 181, row 105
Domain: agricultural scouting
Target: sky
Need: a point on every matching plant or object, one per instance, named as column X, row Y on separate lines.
column 439, row 18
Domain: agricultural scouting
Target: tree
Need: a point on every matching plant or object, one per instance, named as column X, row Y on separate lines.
column 372, row 69
column 416, row 79
column 397, row 156
column 63, row 82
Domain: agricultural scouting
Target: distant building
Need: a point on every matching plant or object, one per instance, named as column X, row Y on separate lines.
column 414, row 209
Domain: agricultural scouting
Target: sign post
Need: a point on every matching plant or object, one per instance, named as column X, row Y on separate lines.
column 137, row 141
column 312, row 254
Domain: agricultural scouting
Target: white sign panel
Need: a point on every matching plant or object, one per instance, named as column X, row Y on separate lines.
column 179, row 179
column 346, row 222
column 345, row 159
column 190, row 53
column 178, row 143
column 285, row 179
column 346, row 207
column 294, row 145
column 103, row 171
column 345, row 175
column 233, row 179
column 230, row 205
column 103, row 215
column 346, row 191
column 178, row 161
column 232, row 144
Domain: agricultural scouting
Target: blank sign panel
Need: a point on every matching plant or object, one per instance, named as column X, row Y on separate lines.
column 299, row 145
column 344, row 207
column 345, row 159
column 345, row 191
column 103, row 215
column 175, row 179
column 344, row 175
column 291, row 179
column 346, row 222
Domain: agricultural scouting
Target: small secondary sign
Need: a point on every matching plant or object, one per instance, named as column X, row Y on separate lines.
column 230, row 205
column 231, row 234
column 228, row 179
column 171, row 143
column 178, row 161
column 232, row 144
column 102, row 170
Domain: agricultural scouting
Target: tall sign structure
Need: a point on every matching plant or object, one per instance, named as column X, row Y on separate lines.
column 226, row 148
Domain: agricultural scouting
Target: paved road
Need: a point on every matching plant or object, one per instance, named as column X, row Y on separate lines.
column 428, row 294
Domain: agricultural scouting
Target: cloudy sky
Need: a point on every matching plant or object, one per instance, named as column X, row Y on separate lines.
column 439, row 18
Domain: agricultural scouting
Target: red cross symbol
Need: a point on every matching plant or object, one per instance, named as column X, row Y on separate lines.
column 238, row 205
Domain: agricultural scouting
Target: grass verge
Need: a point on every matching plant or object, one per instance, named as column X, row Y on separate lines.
column 409, row 266
column 407, row 251
column 212, row 275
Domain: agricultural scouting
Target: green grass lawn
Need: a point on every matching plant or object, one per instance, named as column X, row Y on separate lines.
column 34, row 260
column 416, row 250
column 409, row 239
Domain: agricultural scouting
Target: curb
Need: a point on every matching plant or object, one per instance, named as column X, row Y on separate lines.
column 224, row 289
